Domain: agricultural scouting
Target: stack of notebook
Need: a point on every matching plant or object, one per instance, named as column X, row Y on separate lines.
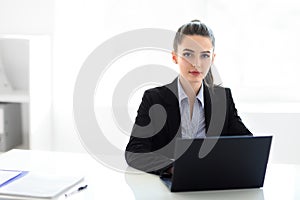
column 23, row 184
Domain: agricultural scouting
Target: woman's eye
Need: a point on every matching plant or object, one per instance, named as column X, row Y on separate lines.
column 186, row 54
column 205, row 56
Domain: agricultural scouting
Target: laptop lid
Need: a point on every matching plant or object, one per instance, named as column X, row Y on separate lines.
column 234, row 162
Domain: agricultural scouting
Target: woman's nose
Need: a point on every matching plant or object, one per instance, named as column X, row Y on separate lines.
column 197, row 62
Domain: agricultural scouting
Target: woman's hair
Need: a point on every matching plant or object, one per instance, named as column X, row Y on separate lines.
column 196, row 27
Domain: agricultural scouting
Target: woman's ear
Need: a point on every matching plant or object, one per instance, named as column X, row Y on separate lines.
column 174, row 57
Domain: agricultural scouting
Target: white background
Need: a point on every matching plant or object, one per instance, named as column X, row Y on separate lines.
column 256, row 46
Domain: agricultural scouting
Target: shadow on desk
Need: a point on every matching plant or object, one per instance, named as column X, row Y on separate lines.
column 148, row 186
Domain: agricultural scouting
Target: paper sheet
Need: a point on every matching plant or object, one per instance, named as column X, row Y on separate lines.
column 6, row 175
column 36, row 185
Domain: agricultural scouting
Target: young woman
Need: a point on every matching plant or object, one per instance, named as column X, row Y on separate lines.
column 189, row 107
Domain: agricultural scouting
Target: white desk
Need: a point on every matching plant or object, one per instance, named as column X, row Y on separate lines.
column 282, row 181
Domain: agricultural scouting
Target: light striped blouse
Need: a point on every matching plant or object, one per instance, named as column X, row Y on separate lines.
column 195, row 127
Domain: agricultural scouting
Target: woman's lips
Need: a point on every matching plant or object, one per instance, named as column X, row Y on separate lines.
column 195, row 73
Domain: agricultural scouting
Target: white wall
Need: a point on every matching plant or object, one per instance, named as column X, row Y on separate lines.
column 26, row 17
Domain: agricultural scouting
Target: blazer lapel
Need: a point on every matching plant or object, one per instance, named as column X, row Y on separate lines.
column 207, row 106
column 171, row 97
column 215, row 107
column 172, row 93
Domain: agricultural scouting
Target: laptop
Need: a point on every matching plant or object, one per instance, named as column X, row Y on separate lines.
column 234, row 162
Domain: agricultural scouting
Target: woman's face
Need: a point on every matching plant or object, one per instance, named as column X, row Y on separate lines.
column 194, row 56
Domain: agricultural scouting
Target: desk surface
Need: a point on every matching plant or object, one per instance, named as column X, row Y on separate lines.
column 282, row 181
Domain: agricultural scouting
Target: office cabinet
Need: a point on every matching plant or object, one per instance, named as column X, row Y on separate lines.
column 26, row 61
column 10, row 126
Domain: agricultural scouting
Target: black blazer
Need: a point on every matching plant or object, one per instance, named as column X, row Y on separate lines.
column 151, row 145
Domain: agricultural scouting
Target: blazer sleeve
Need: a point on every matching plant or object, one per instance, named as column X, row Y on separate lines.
column 139, row 151
column 235, row 124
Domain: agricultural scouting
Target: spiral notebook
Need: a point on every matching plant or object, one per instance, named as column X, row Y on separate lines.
column 31, row 185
